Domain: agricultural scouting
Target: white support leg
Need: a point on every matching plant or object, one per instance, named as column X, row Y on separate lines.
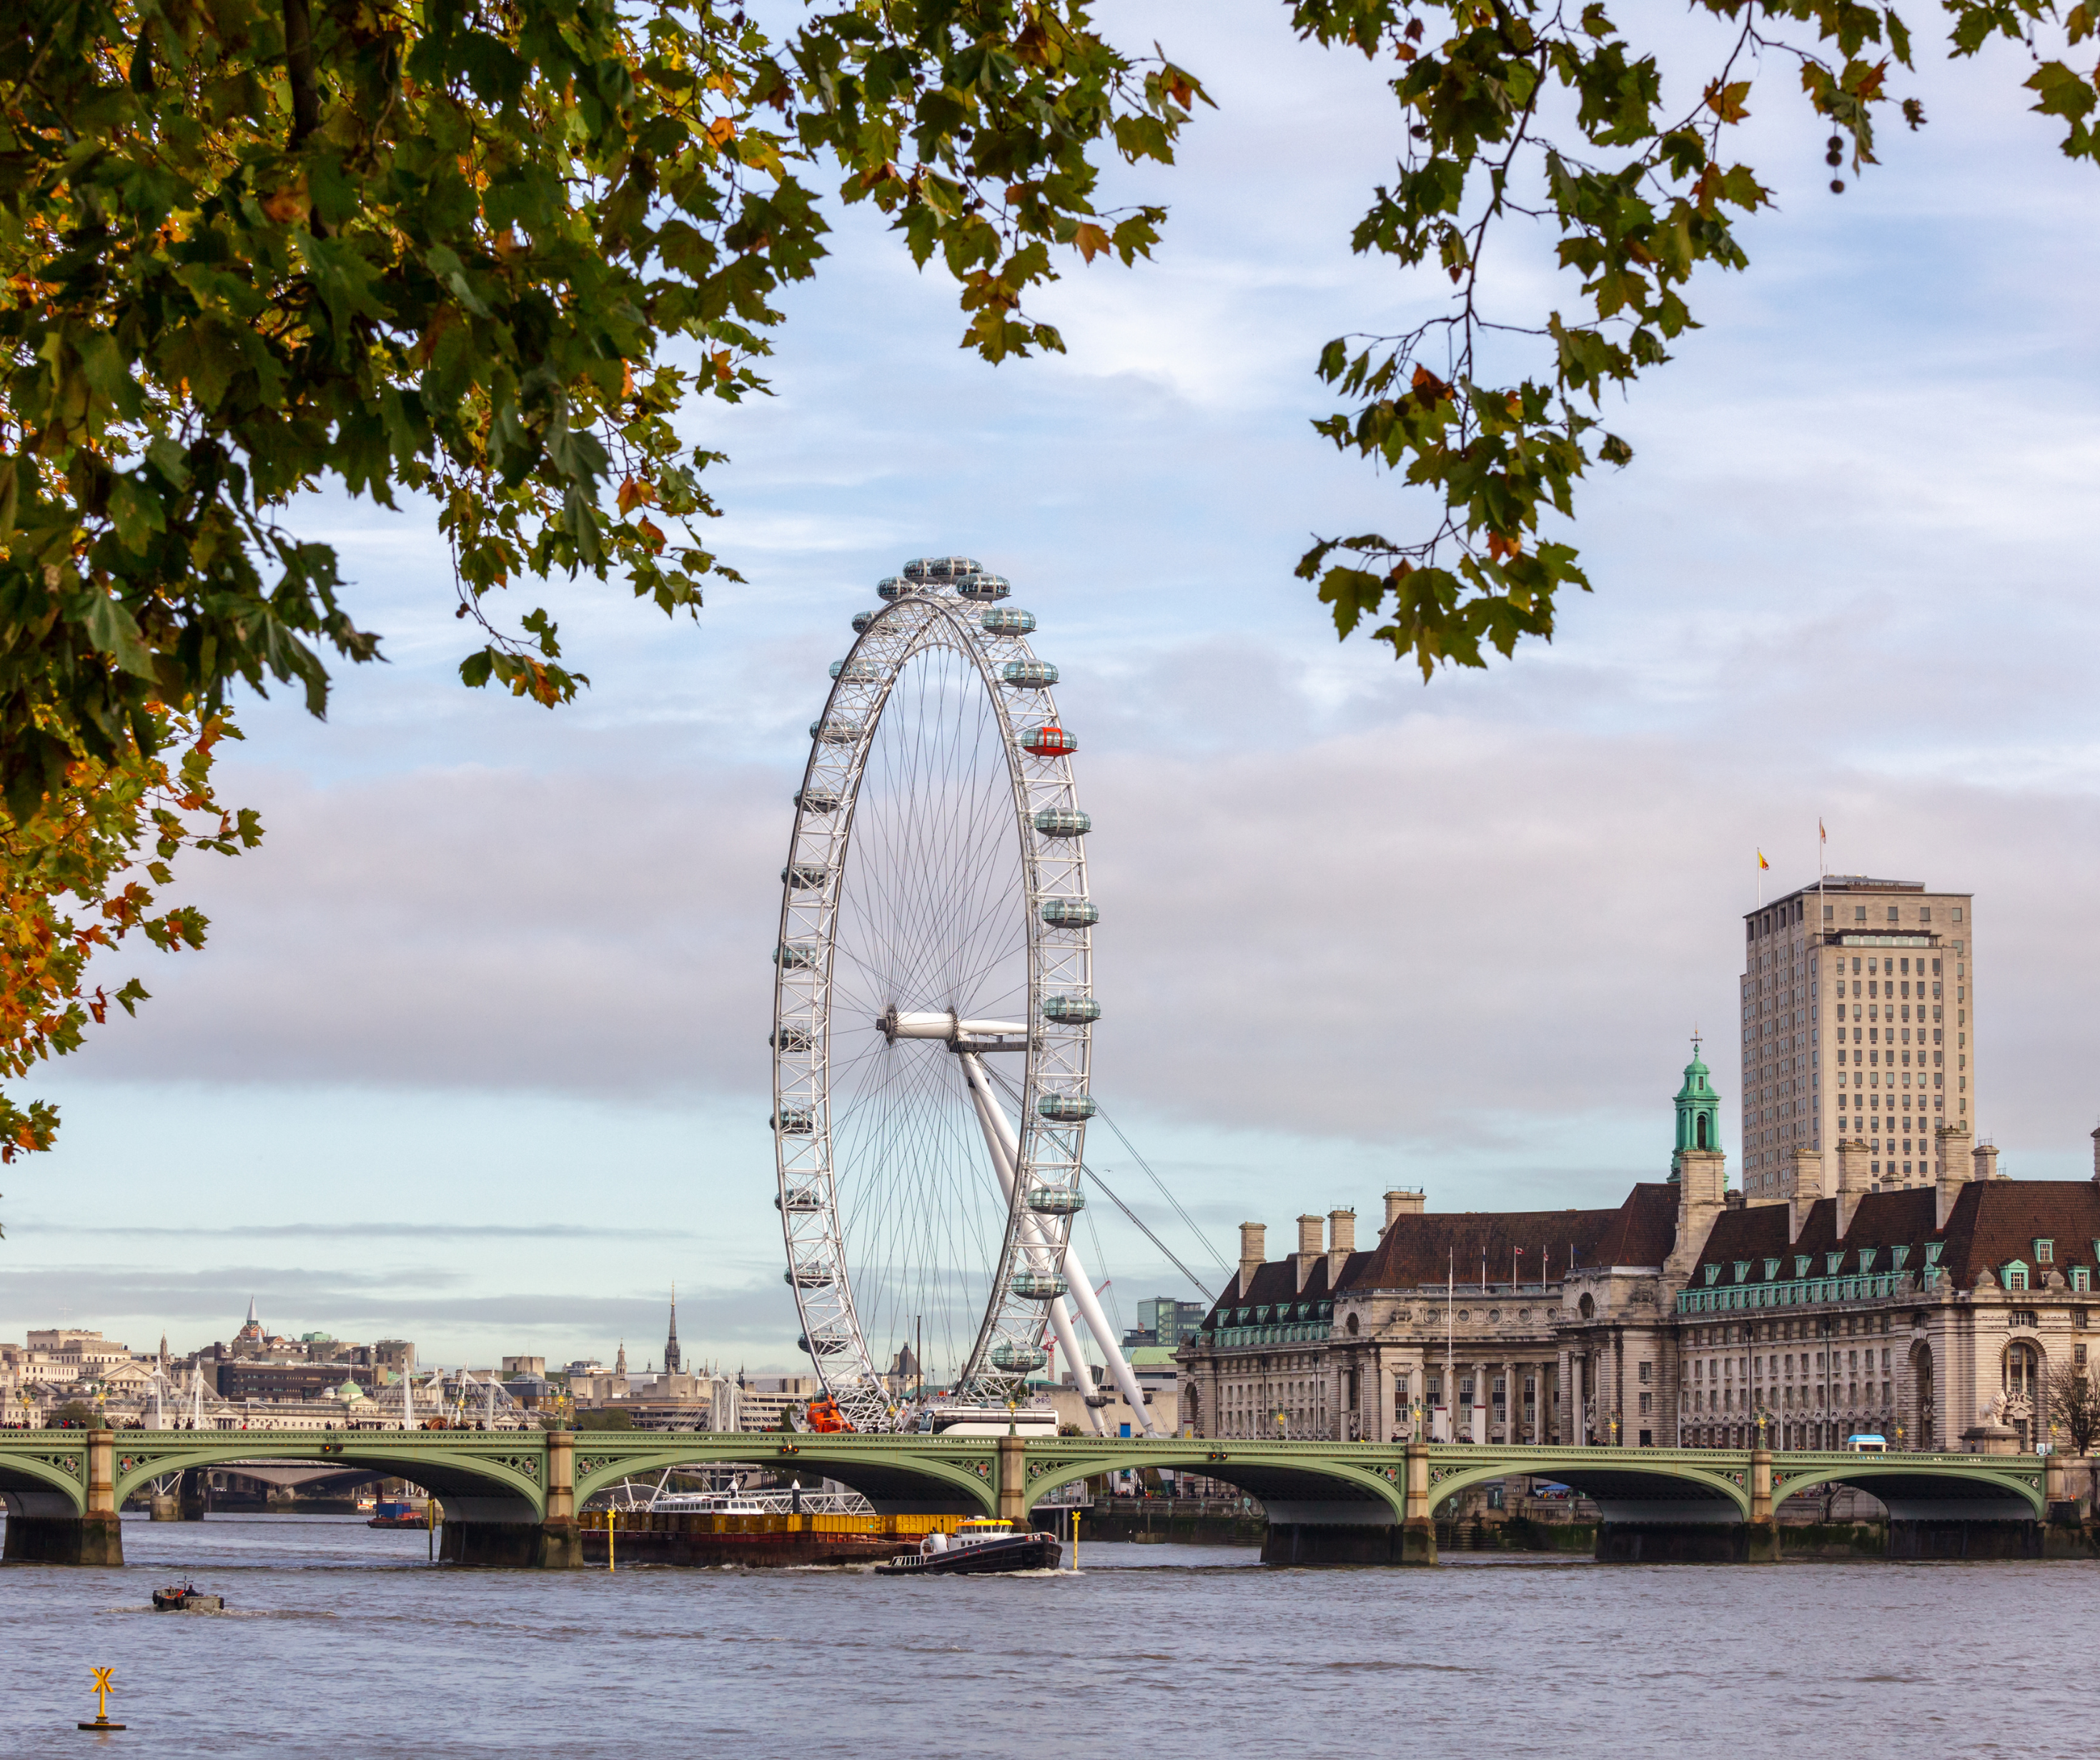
column 989, row 1118
column 994, row 1117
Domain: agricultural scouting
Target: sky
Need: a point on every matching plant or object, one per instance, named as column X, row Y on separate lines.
column 476, row 1055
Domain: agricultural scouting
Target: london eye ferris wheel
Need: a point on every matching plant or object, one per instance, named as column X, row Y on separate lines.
column 934, row 1007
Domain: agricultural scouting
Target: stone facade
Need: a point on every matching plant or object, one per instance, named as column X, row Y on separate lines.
column 1685, row 1317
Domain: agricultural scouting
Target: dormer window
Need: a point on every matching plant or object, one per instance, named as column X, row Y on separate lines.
column 1867, row 1258
column 1713, row 1275
column 1771, row 1269
column 2081, row 1279
column 1897, row 1256
column 2044, row 1252
column 1742, row 1270
column 1801, row 1262
column 1831, row 1263
column 1933, row 1249
column 2015, row 1277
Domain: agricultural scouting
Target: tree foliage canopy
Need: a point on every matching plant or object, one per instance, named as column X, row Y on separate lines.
column 1538, row 110
column 480, row 251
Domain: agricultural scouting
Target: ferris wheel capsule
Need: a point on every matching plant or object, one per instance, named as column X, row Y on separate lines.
column 1070, row 912
column 837, row 731
column 817, row 800
column 939, row 570
column 810, row 1276
column 862, row 620
column 982, row 587
column 794, row 1121
column 1057, row 1200
column 1049, row 740
column 1029, row 675
column 855, row 671
column 796, row 956
column 1017, row 1358
column 1066, row 1109
column 892, row 587
column 1007, row 620
column 804, row 876
column 1063, row 822
column 1071, row 1010
column 1037, row 1286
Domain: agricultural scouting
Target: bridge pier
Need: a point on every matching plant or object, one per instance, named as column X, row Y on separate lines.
column 1357, row 1533
column 43, row 1527
column 485, row 1533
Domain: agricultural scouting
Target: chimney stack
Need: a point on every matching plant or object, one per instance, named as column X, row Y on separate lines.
column 1400, row 1202
column 1986, row 1158
column 1341, row 1242
column 2096, row 1158
column 1254, row 1252
column 1308, row 1253
column 1953, row 1170
column 1853, row 1182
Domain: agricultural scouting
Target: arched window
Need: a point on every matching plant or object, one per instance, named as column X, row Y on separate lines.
column 1588, row 1307
column 2023, row 1379
column 1349, row 1326
column 1702, row 1130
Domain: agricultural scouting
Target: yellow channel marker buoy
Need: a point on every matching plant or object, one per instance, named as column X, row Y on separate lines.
column 101, row 1691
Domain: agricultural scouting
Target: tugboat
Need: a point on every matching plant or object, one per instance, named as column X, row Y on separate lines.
column 186, row 1599
column 398, row 1513
column 979, row 1546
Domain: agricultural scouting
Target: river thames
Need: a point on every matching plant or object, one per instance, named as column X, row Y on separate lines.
column 343, row 1642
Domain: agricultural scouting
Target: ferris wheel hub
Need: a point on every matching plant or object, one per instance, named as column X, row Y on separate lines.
column 961, row 1035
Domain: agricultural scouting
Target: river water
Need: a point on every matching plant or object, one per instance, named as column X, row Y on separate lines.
column 343, row 1642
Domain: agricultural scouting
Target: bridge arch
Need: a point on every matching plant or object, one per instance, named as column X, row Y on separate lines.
column 477, row 1484
column 1927, row 1488
column 1626, row 1484
column 52, row 1482
column 911, row 1479
column 1330, row 1493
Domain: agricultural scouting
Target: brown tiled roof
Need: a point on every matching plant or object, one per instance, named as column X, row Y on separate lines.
column 1991, row 1222
column 1416, row 1250
column 1277, row 1283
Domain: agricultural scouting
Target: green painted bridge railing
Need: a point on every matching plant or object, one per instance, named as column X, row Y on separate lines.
column 529, row 1475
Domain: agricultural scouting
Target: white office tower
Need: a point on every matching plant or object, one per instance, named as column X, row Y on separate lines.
column 1858, row 1032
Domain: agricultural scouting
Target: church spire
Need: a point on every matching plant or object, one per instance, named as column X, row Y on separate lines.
column 1698, row 1111
column 671, row 1343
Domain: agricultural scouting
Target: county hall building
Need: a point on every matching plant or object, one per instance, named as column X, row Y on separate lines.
column 1854, row 1286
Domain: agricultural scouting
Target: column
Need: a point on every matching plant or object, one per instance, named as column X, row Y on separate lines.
column 1418, row 1533
column 1579, row 1395
column 1013, row 1480
column 561, row 1545
column 101, row 1537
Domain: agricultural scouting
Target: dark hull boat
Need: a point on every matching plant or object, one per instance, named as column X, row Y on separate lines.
column 1016, row 1552
column 186, row 1600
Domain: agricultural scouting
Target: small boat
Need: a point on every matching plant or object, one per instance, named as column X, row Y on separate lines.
column 186, row 1599
column 977, row 1547
column 398, row 1514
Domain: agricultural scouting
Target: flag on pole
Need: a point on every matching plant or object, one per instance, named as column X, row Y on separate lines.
column 1822, row 836
column 1761, row 863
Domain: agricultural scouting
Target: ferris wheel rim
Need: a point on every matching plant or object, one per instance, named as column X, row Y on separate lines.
column 1047, row 1150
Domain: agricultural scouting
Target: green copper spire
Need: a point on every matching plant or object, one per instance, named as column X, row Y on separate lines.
column 1698, row 1110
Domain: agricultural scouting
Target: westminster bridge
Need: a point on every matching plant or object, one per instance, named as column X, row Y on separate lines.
column 510, row 1498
